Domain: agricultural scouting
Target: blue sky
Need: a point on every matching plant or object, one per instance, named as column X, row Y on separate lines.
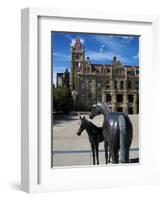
column 100, row 48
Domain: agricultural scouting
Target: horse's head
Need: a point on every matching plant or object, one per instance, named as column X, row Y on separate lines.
column 82, row 127
column 95, row 111
column 99, row 108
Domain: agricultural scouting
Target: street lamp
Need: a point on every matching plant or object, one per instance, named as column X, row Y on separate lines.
column 74, row 94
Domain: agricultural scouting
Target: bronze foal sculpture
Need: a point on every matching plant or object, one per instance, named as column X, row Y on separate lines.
column 117, row 131
column 95, row 136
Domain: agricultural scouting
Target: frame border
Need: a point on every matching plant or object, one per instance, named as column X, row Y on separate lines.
column 30, row 147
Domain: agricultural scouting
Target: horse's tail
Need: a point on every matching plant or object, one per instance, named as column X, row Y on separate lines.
column 126, row 134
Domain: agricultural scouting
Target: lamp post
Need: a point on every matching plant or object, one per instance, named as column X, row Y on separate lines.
column 74, row 94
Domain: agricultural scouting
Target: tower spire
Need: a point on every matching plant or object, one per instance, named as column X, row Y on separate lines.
column 78, row 45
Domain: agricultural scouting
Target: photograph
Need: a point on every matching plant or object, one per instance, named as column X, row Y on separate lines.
column 95, row 99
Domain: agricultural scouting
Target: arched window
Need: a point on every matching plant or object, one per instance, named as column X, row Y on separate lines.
column 107, row 84
column 88, row 69
column 129, row 84
column 115, row 84
column 119, row 98
column 121, row 85
column 108, row 70
column 108, row 98
column 130, row 98
column 98, row 84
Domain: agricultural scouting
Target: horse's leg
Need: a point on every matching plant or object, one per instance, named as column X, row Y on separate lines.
column 126, row 154
column 114, row 155
column 109, row 156
column 114, row 144
column 97, row 157
column 117, row 156
column 106, row 152
column 93, row 153
column 123, row 140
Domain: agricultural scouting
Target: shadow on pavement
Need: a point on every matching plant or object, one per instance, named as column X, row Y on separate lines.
column 134, row 160
column 59, row 119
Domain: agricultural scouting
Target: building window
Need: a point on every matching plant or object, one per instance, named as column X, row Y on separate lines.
column 83, row 97
column 131, row 73
column 129, row 84
column 108, row 70
column 137, row 85
column 86, row 83
column 108, row 98
column 99, row 85
column 90, row 83
column 130, row 110
column 119, row 109
column 83, row 85
column 115, row 84
column 119, row 98
column 137, row 71
column 121, row 85
column 107, row 84
column 89, row 69
column 122, row 72
column 130, row 98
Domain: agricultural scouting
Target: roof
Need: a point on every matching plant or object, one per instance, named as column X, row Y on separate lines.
column 78, row 44
column 98, row 67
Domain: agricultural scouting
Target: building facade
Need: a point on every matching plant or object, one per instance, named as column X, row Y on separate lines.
column 63, row 79
column 115, row 84
column 59, row 82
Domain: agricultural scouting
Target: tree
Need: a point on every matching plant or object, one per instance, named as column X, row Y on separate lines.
column 62, row 98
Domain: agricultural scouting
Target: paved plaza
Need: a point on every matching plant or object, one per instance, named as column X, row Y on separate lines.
column 72, row 150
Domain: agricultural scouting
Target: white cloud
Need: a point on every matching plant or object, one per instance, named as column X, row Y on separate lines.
column 68, row 36
column 72, row 40
column 98, row 56
column 136, row 56
column 58, row 68
column 127, row 37
column 109, row 42
column 112, row 43
column 104, row 56
column 102, row 48
column 61, row 56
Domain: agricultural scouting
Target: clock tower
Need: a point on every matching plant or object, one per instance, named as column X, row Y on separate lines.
column 77, row 62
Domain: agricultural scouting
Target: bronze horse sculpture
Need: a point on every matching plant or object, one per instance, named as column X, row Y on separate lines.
column 117, row 131
column 95, row 136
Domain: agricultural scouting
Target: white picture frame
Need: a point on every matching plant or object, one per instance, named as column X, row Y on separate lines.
column 36, row 171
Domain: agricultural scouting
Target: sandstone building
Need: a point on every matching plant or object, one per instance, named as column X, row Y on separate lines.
column 114, row 83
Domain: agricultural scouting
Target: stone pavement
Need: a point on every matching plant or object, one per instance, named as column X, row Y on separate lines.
column 72, row 150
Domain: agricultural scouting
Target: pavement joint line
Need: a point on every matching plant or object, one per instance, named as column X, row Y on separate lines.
column 82, row 151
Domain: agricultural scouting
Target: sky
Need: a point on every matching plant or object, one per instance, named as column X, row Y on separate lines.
column 99, row 48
